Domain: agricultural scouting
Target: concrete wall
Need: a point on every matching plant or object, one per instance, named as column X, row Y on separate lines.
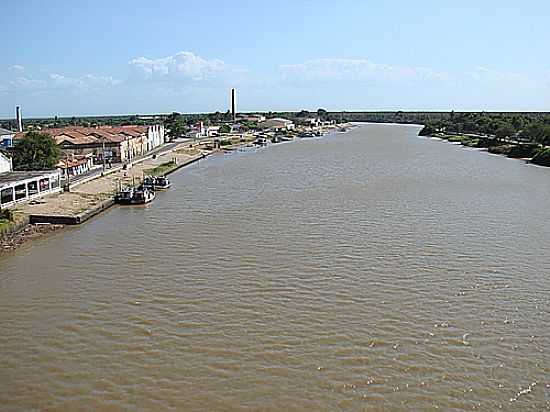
column 5, row 164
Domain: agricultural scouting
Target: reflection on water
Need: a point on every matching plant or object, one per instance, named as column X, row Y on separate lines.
column 370, row 270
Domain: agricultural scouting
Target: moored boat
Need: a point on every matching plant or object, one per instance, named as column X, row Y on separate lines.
column 142, row 196
column 156, row 183
column 132, row 196
column 162, row 183
column 125, row 196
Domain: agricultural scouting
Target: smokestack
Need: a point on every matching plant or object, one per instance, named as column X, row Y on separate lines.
column 18, row 119
column 233, row 105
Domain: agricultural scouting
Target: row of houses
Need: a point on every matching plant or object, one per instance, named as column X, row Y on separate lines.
column 118, row 144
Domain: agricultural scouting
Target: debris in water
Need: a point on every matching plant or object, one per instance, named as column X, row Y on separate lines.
column 525, row 391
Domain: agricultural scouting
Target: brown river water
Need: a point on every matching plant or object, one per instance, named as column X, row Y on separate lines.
column 372, row 270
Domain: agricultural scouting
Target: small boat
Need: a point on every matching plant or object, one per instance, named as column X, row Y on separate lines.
column 148, row 183
column 142, row 196
column 162, row 183
column 125, row 196
column 260, row 141
column 156, row 183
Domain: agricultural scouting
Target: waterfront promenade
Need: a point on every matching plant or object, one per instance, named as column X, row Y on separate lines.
column 89, row 195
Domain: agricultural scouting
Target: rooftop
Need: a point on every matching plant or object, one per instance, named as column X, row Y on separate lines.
column 4, row 132
column 10, row 177
column 90, row 135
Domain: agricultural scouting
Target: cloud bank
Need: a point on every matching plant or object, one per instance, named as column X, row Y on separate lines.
column 186, row 81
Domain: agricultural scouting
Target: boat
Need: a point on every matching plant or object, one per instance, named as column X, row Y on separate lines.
column 162, row 183
column 132, row 196
column 156, row 183
column 142, row 196
column 148, row 183
column 125, row 196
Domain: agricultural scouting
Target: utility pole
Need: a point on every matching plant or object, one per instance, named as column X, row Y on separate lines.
column 103, row 144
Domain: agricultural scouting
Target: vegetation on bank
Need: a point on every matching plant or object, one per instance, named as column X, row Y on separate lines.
column 542, row 158
column 516, row 135
column 6, row 216
column 161, row 170
column 525, row 127
column 11, row 221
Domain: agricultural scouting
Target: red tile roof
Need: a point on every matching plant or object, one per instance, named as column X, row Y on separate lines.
column 90, row 135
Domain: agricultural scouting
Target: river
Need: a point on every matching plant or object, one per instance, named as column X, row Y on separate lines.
column 373, row 270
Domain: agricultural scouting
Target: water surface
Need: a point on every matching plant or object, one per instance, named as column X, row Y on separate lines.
column 373, row 270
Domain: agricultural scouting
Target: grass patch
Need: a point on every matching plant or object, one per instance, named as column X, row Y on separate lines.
column 161, row 170
column 10, row 219
column 465, row 140
column 4, row 223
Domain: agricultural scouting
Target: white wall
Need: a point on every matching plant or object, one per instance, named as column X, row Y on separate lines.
column 155, row 136
column 5, row 164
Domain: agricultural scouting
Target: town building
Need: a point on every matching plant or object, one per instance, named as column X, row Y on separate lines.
column 277, row 124
column 251, row 117
column 75, row 165
column 6, row 164
column 17, row 187
column 117, row 144
column 6, row 138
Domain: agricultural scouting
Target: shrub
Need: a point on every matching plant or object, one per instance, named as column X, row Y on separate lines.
column 7, row 214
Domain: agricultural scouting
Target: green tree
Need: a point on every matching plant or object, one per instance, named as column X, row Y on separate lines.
column 36, row 151
column 504, row 132
column 175, row 126
column 225, row 128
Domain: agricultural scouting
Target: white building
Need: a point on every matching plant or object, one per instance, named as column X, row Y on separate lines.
column 17, row 187
column 277, row 124
column 251, row 117
column 6, row 164
column 155, row 136
column 76, row 165
column 6, row 138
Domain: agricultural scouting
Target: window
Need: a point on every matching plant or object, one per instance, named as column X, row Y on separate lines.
column 20, row 191
column 6, row 195
column 32, row 187
column 44, row 184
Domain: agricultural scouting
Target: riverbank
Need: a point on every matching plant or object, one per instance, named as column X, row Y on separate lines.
column 529, row 152
column 34, row 219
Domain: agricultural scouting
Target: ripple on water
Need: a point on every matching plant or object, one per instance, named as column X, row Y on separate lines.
column 363, row 271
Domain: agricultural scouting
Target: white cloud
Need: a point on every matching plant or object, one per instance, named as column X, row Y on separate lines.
column 87, row 82
column 25, row 83
column 182, row 66
column 17, row 68
column 353, row 70
column 487, row 75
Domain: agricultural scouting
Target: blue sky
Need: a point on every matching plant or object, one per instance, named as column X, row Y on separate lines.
column 116, row 57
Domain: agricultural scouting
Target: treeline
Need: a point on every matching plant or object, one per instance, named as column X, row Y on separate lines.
column 528, row 127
